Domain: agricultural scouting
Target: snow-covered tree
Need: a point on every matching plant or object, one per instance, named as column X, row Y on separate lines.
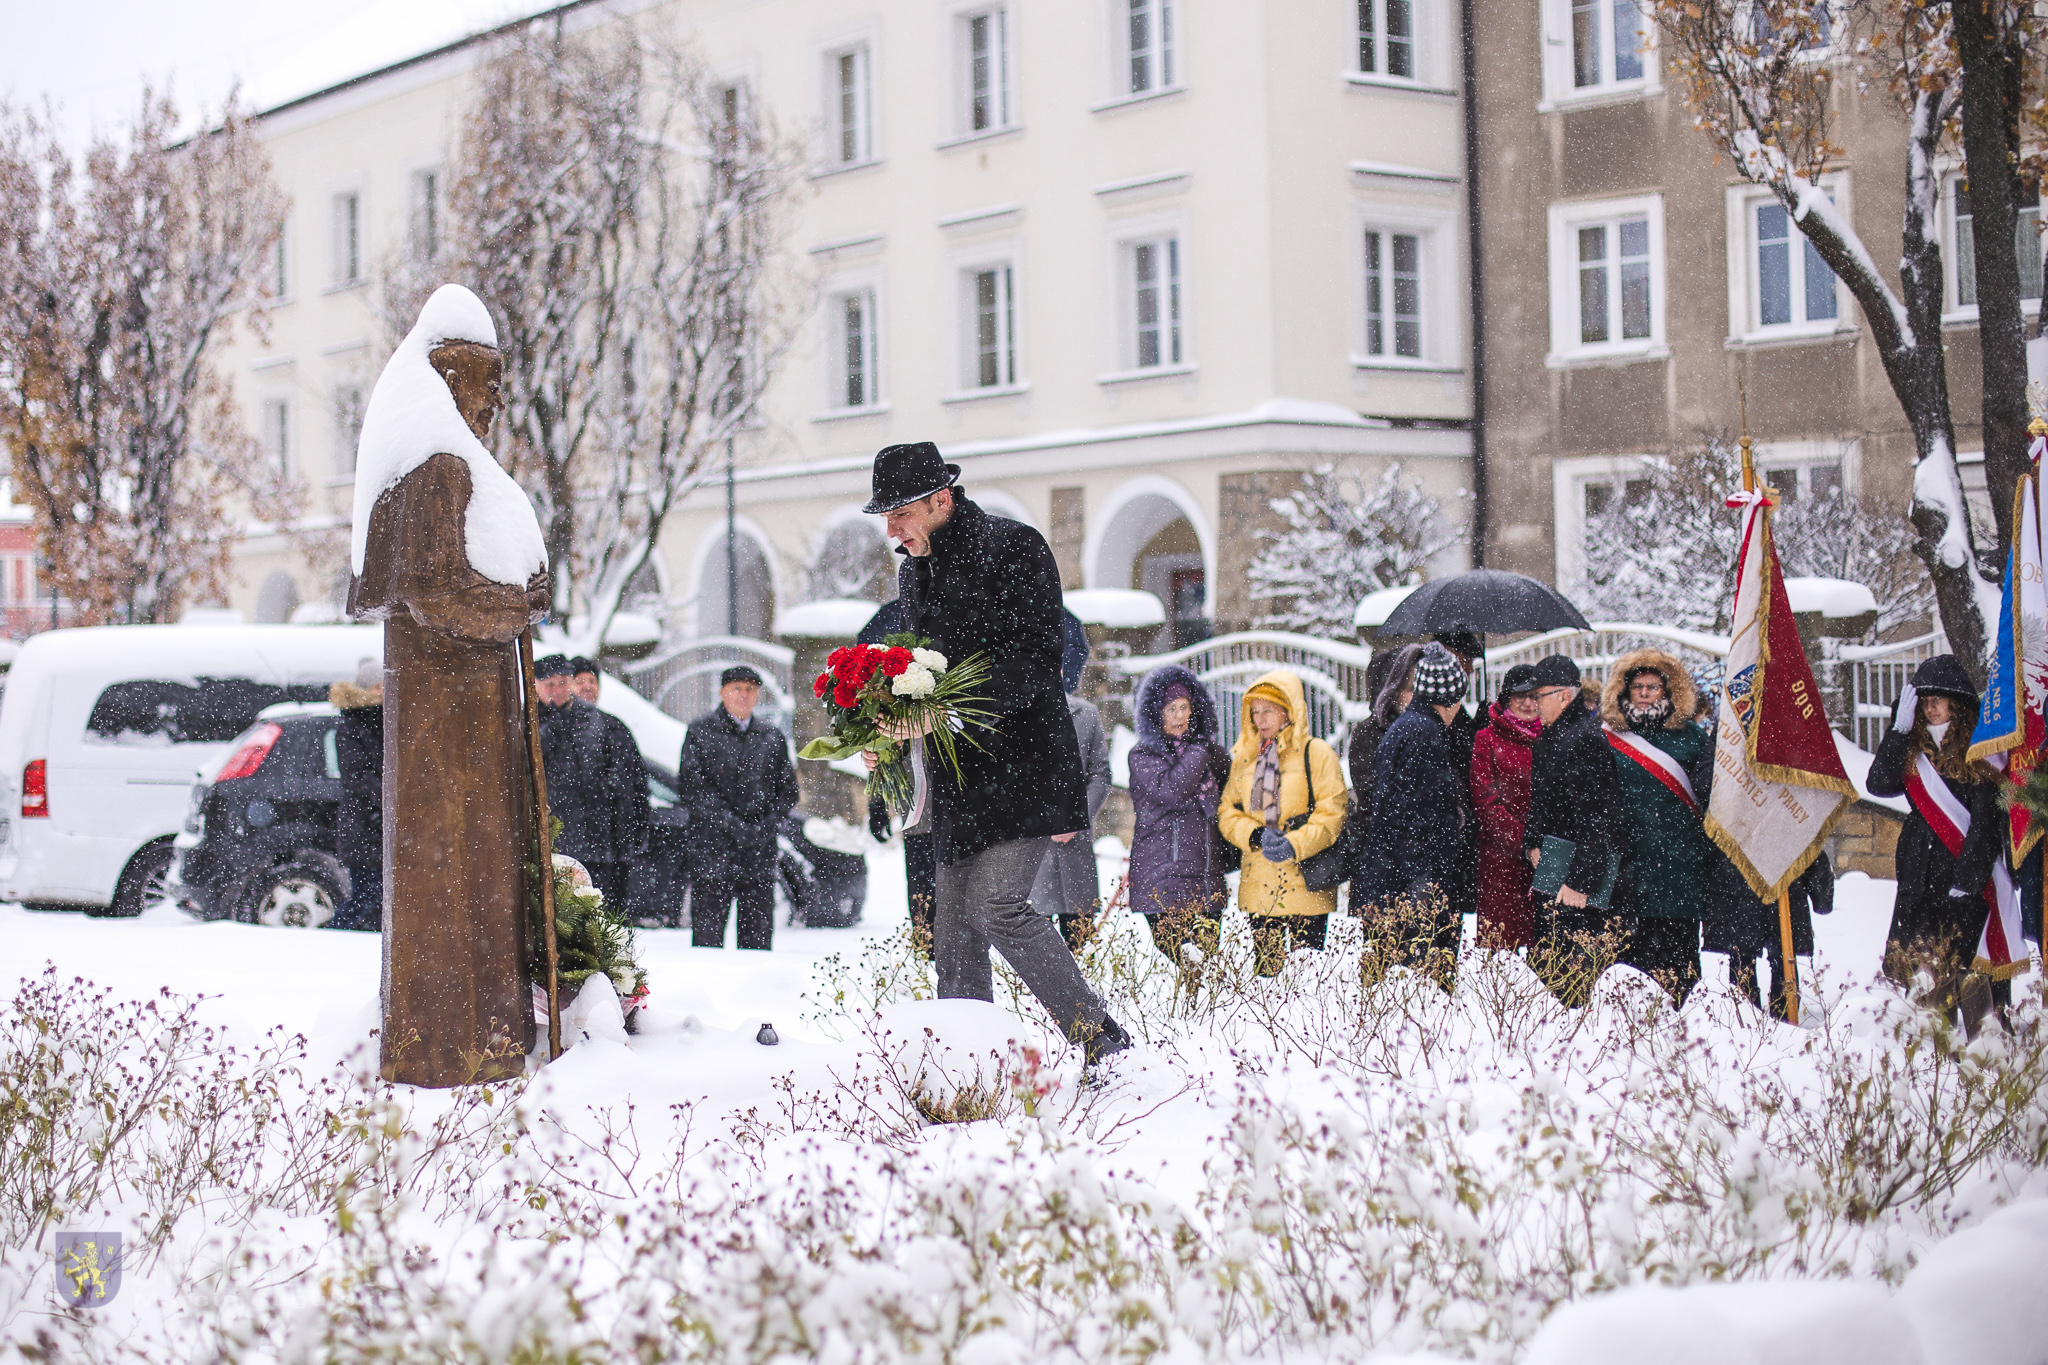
column 622, row 213
column 1344, row 538
column 1760, row 77
column 1664, row 550
column 120, row 277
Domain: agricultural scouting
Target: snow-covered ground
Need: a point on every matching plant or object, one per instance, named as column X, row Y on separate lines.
column 1310, row 1166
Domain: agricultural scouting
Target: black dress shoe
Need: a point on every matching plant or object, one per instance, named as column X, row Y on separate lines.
column 1106, row 1041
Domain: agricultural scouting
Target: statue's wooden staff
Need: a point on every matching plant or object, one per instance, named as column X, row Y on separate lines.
column 547, row 842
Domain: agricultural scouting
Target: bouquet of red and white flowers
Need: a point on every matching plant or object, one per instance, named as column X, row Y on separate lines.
column 909, row 688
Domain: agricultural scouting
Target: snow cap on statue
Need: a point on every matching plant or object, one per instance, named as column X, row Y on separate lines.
column 412, row 417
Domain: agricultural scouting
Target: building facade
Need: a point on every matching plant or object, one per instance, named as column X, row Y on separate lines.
column 1133, row 264
column 1633, row 281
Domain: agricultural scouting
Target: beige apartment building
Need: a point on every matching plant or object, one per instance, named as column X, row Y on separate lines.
column 1631, row 279
column 1132, row 263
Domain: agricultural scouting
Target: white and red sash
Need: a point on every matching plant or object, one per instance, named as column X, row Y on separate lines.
column 1655, row 762
column 2000, row 950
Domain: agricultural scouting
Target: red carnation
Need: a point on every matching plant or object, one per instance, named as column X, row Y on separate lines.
column 894, row 661
column 822, row 685
column 837, row 657
column 847, row 695
column 862, row 666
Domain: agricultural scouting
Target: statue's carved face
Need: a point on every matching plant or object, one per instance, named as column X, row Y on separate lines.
column 474, row 374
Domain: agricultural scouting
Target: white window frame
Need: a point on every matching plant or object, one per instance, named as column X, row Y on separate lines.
column 426, row 189
column 1002, row 20
column 1559, row 58
column 344, row 452
column 1802, row 458
column 1568, row 480
column 1001, row 259
column 1745, row 283
column 281, row 262
column 1441, row 337
column 865, row 285
column 1565, row 220
column 1164, row 56
column 1953, row 307
column 1124, row 328
column 866, row 144
column 1425, row 42
column 348, row 248
column 276, row 418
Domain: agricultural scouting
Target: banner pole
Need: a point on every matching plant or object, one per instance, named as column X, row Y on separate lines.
column 1789, row 986
column 547, row 845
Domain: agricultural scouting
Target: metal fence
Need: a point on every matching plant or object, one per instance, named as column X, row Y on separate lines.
column 1877, row 674
column 1596, row 650
column 683, row 680
column 1332, row 675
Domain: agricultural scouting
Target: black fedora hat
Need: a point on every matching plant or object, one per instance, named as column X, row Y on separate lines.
column 905, row 473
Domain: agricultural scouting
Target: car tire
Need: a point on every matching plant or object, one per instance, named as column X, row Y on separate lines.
column 300, row 893
column 144, row 882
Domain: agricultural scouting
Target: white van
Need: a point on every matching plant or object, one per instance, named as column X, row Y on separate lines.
column 103, row 729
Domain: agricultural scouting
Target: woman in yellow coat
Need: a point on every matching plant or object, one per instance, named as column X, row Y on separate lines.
column 1265, row 811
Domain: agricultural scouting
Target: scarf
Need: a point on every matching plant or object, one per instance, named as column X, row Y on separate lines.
column 1648, row 717
column 1266, row 783
column 1513, row 726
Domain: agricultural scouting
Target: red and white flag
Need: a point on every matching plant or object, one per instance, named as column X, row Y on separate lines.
column 1779, row 784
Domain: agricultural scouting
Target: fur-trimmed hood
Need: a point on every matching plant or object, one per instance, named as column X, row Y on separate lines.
column 1151, row 704
column 1678, row 685
column 346, row 696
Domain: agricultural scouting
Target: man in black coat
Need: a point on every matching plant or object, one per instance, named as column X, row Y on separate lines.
column 597, row 786
column 976, row 585
column 1414, row 844
column 1574, row 795
column 359, row 822
column 1469, row 650
column 737, row 777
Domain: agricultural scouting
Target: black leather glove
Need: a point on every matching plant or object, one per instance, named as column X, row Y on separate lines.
column 1274, row 845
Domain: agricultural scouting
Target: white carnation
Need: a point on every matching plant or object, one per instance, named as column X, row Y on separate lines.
column 914, row 681
column 930, row 658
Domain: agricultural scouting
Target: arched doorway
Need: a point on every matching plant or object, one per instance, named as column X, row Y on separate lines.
column 853, row 561
column 749, row 611
column 1149, row 537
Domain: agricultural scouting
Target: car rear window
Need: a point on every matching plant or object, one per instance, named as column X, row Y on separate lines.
column 162, row 711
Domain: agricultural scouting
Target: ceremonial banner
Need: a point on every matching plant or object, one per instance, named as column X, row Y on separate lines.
column 1779, row 784
column 2010, row 727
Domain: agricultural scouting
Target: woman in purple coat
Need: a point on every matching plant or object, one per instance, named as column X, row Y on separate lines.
column 1177, row 771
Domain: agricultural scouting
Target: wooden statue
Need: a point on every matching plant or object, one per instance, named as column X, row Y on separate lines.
column 448, row 554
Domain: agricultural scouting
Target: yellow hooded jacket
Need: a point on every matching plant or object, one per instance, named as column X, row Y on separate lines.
column 1267, row 887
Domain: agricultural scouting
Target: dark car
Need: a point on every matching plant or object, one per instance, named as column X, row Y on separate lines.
column 258, row 843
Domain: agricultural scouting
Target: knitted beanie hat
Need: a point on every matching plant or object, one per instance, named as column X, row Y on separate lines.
column 1438, row 679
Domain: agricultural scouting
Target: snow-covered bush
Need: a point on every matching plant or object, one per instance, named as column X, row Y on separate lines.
column 1664, row 550
column 1399, row 1167
column 1344, row 538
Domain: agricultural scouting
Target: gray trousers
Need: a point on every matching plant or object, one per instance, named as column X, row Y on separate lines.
column 986, row 900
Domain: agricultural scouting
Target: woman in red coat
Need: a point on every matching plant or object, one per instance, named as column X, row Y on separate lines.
column 1502, row 753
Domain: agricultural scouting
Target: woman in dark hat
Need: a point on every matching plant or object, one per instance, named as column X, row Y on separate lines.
column 1499, row 773
column 1940, row 909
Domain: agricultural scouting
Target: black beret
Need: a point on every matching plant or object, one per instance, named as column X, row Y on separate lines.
column 579, row 664
column 554, row 666
column 1556, row 671
column 1521, row 679
column 739, row 673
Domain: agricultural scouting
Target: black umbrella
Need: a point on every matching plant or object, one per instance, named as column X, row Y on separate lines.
column 1485, row 602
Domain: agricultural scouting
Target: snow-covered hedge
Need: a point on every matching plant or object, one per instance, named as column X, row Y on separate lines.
column 1403, row 1168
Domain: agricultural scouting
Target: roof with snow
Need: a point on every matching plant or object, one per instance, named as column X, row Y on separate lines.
column 1116, row 608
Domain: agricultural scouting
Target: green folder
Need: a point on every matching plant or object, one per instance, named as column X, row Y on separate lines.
column 1556, row 860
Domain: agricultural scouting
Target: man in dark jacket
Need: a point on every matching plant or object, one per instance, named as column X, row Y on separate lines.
column 1573, row 795
column 1417, row 831
column 359, row 823
column 597, row 786
column 977, row 585
column 739, row 782
column 1461, row 732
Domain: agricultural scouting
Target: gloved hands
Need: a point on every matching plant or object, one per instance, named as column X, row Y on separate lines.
column 1274, row 845
column 1909, row 703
